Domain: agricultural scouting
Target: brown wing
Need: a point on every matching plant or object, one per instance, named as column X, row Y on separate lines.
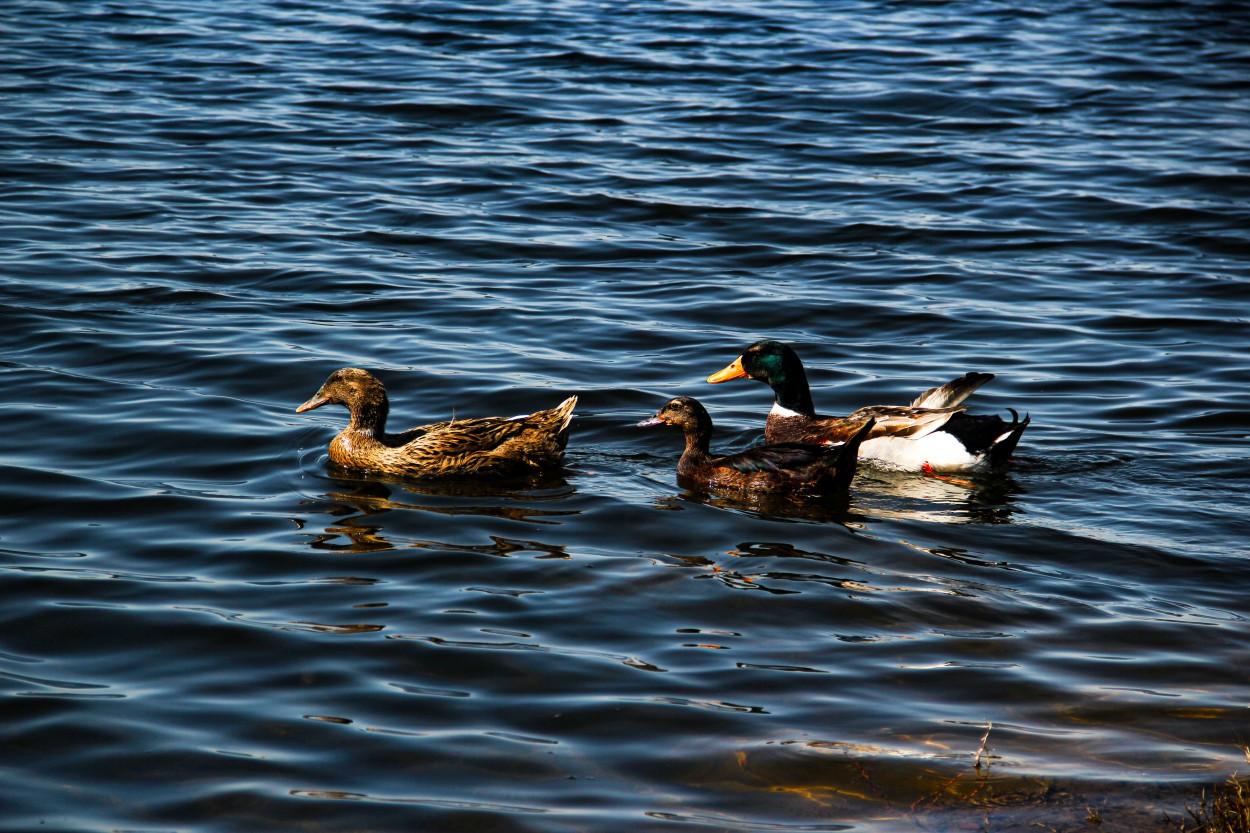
column 485, row 445
column 901, row 421
column 462, row 436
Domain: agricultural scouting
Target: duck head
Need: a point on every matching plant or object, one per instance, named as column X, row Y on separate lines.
column 776, row 365
column 683, row 412
column 765, row 361
column 359, row 392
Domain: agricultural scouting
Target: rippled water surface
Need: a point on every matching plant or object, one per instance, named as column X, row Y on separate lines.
column 206, row 208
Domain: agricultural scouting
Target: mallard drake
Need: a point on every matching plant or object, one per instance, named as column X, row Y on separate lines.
column 931, row 434
column 782, row 467
column 482, row 447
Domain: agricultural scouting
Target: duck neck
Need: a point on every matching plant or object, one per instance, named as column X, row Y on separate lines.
column 791, row 390
column 369, row 415
column 698, row 445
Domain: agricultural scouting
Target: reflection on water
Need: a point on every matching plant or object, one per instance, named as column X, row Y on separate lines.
column 982, row 498
column 372, row 498
column 775, row 507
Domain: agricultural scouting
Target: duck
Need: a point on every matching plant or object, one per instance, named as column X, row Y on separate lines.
column 495, row 447
column 775, row 468
column 932, row 434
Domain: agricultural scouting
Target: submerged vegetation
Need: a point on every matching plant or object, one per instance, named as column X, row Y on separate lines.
column 1226, row 809
column 1018, row 803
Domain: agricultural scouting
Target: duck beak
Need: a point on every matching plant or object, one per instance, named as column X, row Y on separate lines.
column 734, row 371
column 655, row 420
column 316, row 402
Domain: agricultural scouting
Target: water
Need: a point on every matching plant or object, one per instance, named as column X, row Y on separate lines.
column 209, row 207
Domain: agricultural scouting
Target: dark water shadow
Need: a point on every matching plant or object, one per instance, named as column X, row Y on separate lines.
column 781, row 568
column 361, row 503
column 990, row 498
column 815, row 509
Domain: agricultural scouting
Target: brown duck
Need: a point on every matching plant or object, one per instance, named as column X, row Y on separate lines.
column 932, row 433
column 482, row 447
column 781, row 467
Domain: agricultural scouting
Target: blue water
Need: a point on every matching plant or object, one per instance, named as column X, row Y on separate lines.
column 206, row 208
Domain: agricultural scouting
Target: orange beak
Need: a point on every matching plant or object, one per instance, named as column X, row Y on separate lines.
column 734, row 371
column 316, row 402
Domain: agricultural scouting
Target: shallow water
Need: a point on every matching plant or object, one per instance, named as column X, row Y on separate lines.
column 208, row 208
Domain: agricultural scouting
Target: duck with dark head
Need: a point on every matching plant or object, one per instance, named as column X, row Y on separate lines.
column 777, row 468
column 483, row 447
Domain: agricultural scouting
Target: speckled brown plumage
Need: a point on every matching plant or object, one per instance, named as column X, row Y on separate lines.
column 779, row 467
column 480, row 447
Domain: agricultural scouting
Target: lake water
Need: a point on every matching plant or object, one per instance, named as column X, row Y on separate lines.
column 207, row 208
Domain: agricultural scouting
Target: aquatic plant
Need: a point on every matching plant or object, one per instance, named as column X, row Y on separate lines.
column 1226, row 809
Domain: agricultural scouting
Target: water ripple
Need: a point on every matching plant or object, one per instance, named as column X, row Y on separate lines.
column 208, row 209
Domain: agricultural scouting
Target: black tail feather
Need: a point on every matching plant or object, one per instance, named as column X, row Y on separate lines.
column 1001, row 450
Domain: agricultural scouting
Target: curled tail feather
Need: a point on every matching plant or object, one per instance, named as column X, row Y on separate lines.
column 1005, row 445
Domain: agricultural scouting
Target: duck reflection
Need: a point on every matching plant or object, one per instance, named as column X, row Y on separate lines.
column 839, row 509
column 983, row 498
column 988, row 498
column 362, row 507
